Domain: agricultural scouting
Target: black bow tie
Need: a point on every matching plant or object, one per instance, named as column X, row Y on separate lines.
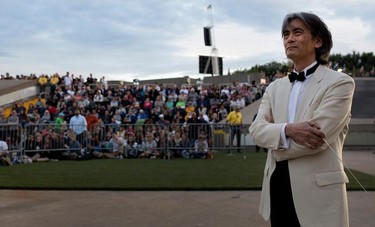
column 301, row 76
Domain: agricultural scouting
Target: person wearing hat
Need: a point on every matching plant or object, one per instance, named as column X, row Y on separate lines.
column 58, row 122
column 234, row 119
column 162, row 120
column 142, row 114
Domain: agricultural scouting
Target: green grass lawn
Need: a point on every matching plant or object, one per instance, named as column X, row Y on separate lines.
column 222, row 173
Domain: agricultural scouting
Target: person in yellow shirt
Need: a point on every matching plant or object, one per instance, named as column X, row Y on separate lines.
column 234, row 119
column 189, row 109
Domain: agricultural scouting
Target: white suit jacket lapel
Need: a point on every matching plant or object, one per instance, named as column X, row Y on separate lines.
column 282, row 101
column 311, row 89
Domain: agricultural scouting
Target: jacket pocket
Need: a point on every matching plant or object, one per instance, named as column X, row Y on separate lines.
column 329, row 178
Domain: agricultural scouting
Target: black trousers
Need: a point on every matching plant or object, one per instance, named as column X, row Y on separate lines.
column 236, row 131
column 283, row 212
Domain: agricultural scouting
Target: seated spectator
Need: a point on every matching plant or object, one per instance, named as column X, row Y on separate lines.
column 116, row 148
column 223, row 113
column 193, row 96
column 147, row 105
column 46, row 118
column 184, row 90
column 200, row 148
column 30, row 145
column 34, row 146
column 184, row 146
column 149, row 148
column 189, row 109
column 162, row 121
column 57, row 146
column 142, row 115
column 161, row 140
column 22, row 117
column 214, row 118
column 173, row 96
column 93, row 143
column 52, row 112
column 131, row 147
column 31, row 108
column 117, row 117
column 73, row 147
column 84, row 102
column 5, row 156
column 203, row 115
column 98, row 97
column 170, row 103
column 181, row 103
column 121, row 132
column 40, row 106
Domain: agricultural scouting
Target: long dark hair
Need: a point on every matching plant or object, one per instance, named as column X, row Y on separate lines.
column 318, row 30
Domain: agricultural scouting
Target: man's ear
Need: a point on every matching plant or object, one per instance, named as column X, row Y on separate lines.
column 318, row 42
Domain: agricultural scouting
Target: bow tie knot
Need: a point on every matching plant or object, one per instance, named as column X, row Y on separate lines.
column 301, row 75
column 297, row 76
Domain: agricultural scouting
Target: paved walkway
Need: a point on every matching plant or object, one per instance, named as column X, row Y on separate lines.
column 161, row 208
column 363, row 161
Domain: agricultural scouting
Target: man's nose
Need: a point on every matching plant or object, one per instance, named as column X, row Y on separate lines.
column 291, row 38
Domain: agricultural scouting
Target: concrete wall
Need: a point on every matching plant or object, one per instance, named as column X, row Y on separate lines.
column 17, row 95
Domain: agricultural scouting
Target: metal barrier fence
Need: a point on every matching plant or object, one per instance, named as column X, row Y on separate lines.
column 62, row 141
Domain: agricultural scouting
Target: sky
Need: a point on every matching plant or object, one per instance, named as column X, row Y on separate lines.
column 153, row 39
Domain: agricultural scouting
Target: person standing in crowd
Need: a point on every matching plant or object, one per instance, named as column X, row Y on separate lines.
column 303, row 122
column 78, row 125
column 59, row 122
column 67, row 80
column 91, row 119
column 234, row 119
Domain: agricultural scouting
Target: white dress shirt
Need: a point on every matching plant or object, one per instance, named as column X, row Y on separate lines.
column 298, row 88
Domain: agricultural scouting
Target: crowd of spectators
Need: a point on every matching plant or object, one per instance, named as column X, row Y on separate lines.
column 122, row 121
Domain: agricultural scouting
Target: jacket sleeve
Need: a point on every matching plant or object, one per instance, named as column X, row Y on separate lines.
column 263, row 131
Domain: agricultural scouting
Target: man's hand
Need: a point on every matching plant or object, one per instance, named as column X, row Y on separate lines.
column 305, row 133
column 269, row 119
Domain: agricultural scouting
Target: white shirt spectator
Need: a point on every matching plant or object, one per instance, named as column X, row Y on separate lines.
column 104, row 82
column 67, row 81
column 225, row 90
column 83, row 103
column 3, row 147
column 118, row 143
column 78, row 124
column 98, row 97
column 184, row 90
column 70, row 92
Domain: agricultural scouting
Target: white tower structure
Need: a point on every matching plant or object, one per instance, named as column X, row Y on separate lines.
column 214, row 51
